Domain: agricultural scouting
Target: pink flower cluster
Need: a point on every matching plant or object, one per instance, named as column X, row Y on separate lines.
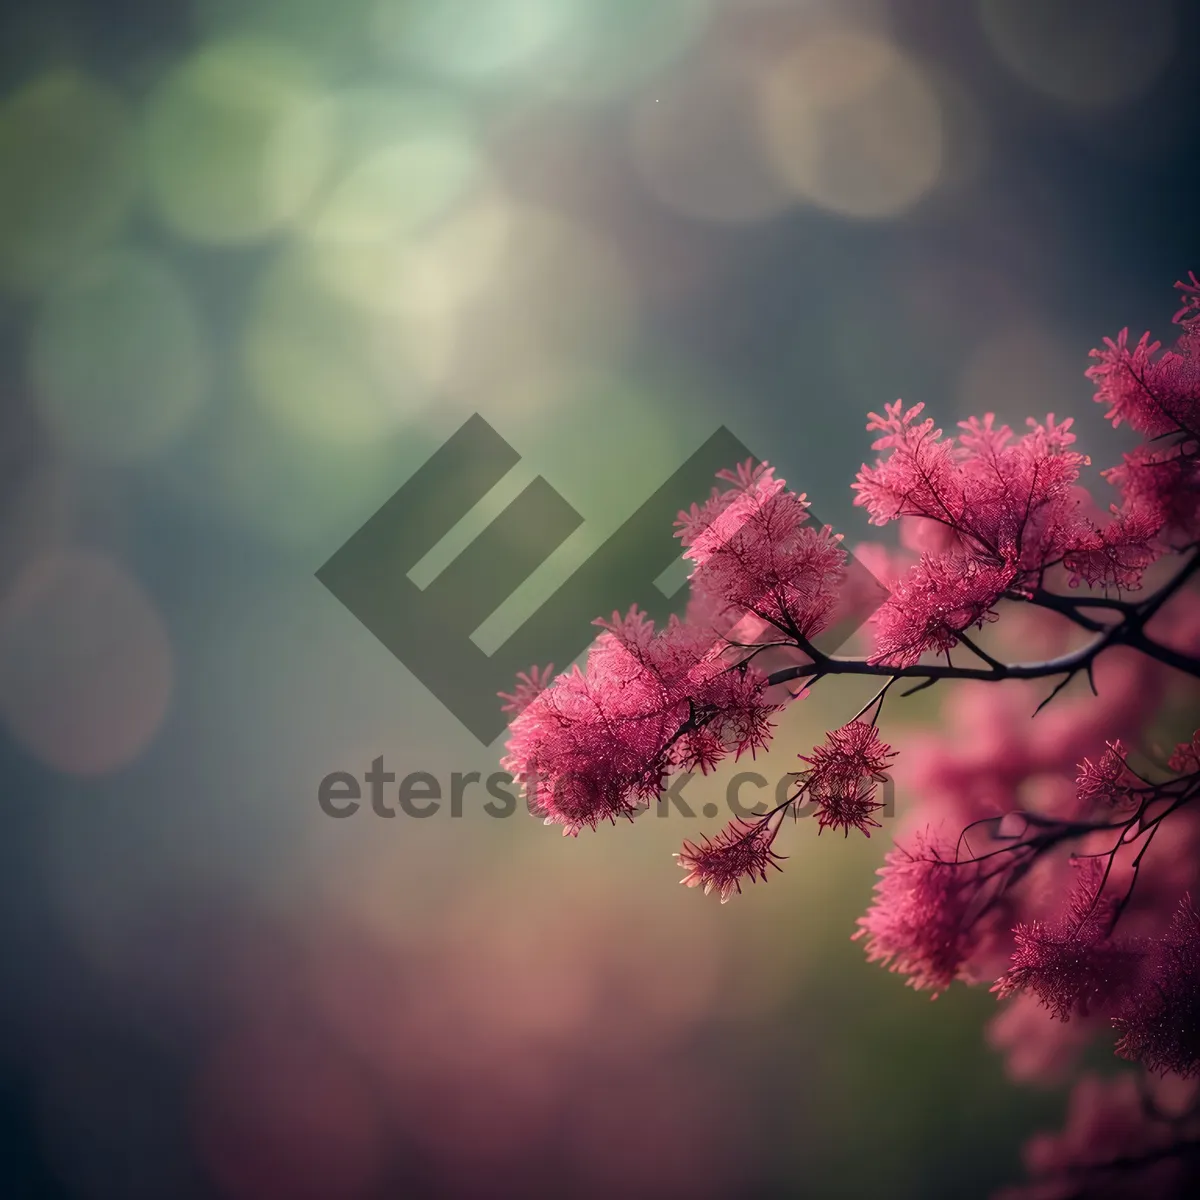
column 1045, row 856
column 742, row 850
column 1122, row 1141
column 599, row 743
column 842, row 776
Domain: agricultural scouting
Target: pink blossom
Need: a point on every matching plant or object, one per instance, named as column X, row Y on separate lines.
column 1118, row 554
column 922, row 921
column 1011, row 502
column 1037, row 1048
column 1185, row 760
column 1109, row 1131
column 842, row 777
column 600, row 742
column 1108, row 780
column 919, row 478
column 1189, row 313
column 934, row 604
column 1061, row 868
column 753, row 550
column 741, row 851
column 530, row 685
column 1162, row 484
column 1072, row 965
column 1160, row 1027
column 1156, row 393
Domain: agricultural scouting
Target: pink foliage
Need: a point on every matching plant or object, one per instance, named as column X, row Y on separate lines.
column 1042, row 855
column 843, row 776
column 927, row 904
column 753, row 550
column 742, row 850
column 599, row 743
column 1108, row 780
column 1161, row 1026
column 1071, row 965
column 934, row 604
column 1115, row 1146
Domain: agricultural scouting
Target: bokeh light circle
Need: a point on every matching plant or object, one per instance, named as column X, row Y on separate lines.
column 558, row 303
column 1097, row 55
column 85, row 663
column 118, row 359
column 465, row 39
column 611, row 46
column 695, row 142
column 417, row 289
column 221, row 143
column 322, row 365
column 852, row 125
column 403, row 162
column 397, row 157
column 68, row 174
column 397, row 189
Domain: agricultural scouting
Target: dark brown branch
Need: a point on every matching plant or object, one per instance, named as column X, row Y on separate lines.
column 1128, row 632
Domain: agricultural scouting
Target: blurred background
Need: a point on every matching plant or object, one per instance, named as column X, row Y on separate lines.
column 258, row 259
